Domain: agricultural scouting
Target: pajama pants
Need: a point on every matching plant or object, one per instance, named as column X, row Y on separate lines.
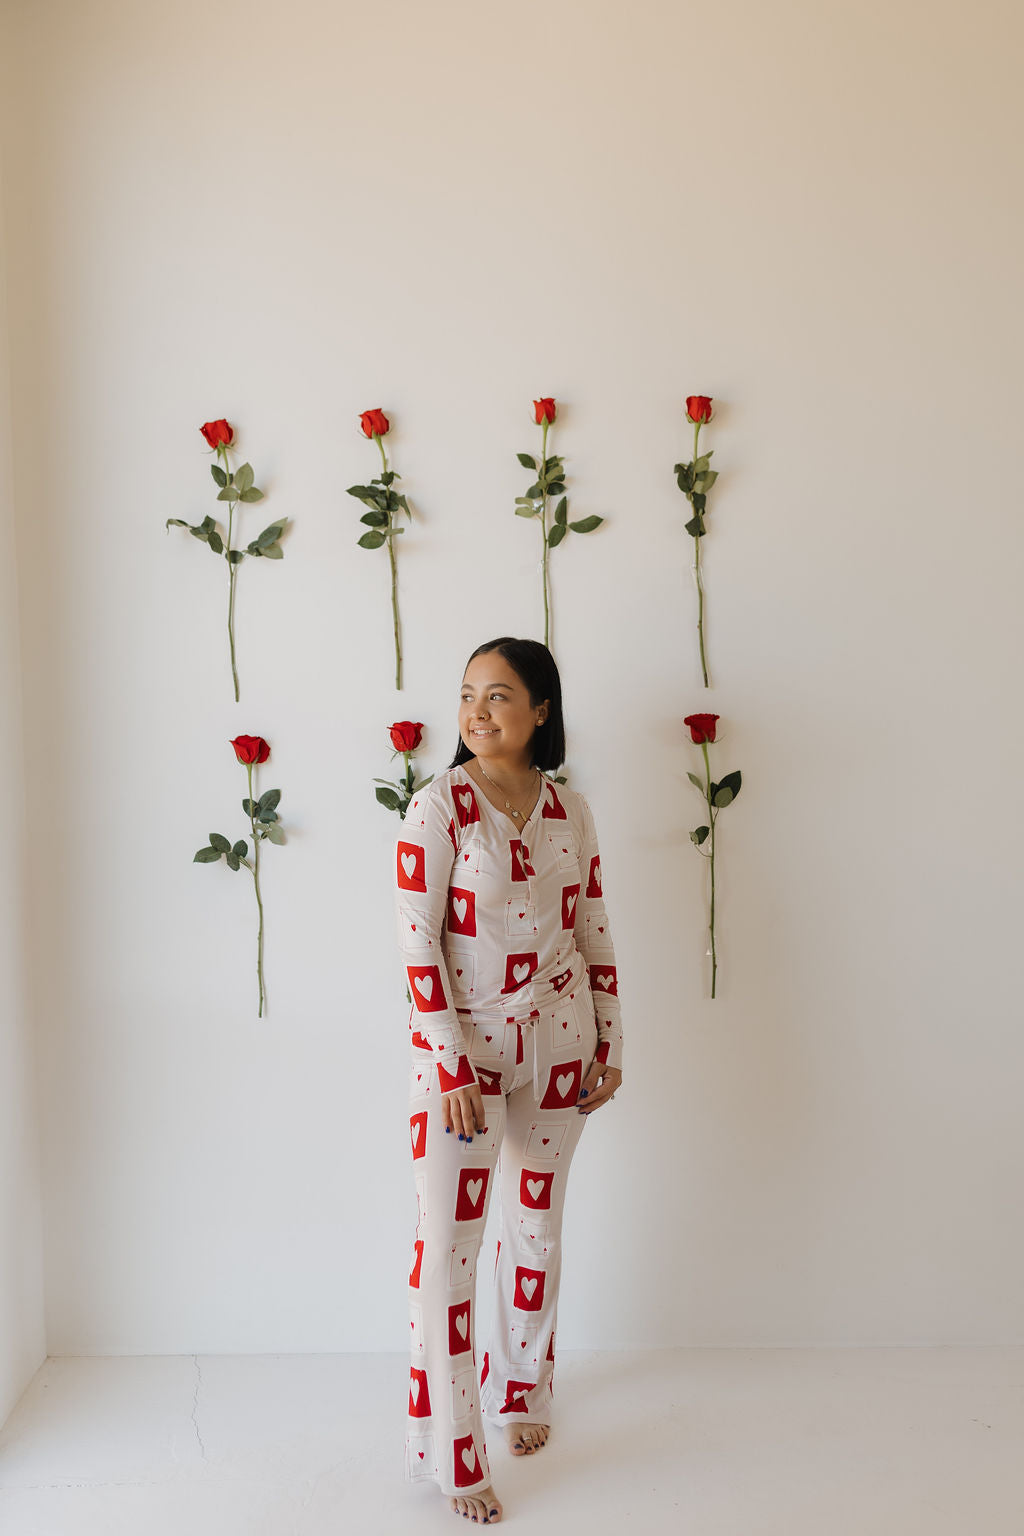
column 530, row 1072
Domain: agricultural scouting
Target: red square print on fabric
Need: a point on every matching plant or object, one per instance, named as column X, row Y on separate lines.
column 521, row 866
column 419, row 1397
column 535, row 1189
column 417, row 1264
column 515, row 1402
column 469, row 1201
column 411, row 867
column 518, row 970
column 420, row 1041
column 570, row 894
column 601, row 1054
column 490, row 1081
column 462, row 1077
column 562, row 980
column 418, row 1132
column 466, row 808
column 553, row 810
column 563, row 1086
column 467, row 1468
column 594, row 882
column 529, row 1291
column 427, row 988
column 458, row 1328
column 604, row 978
column 461, row 911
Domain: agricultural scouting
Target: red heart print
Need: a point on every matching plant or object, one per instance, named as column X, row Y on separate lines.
column 544, row 1140
column 459, row 971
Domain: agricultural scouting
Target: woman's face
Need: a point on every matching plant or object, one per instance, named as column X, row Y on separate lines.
column 496, row 718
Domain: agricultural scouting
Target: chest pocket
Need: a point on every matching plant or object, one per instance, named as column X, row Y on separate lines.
column 563, row 847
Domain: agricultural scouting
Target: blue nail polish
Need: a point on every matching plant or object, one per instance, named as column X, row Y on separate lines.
column 585, row 1093
column 468, row 1140
column 461, row 1137
column 447, row 1130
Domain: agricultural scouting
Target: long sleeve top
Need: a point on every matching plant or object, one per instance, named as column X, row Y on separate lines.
column 496, row 921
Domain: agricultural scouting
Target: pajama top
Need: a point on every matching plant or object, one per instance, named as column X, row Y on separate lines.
column 497, row 920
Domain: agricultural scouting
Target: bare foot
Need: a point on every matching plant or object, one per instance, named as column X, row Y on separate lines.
column 523, row 1439
column 483, row 1507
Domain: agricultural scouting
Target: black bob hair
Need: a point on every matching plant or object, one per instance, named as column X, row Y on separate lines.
column 535, row 666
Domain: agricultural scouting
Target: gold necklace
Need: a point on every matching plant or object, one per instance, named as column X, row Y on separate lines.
column 508, row 804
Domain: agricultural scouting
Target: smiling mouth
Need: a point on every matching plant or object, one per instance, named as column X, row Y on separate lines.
column 492, row 731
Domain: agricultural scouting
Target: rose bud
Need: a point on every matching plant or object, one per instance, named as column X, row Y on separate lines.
column 544, row 410
column 251, row 749
column 219, row 434
column 702, row 727
column 374, row 423
column 406, row 735
column 698, row 408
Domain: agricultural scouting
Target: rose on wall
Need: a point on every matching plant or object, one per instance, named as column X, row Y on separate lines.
column 549, row 482
column 406, row 737
column 233, row 487
column 703, row 729
column 384, row 505
column 264, row 825
column 695, row 479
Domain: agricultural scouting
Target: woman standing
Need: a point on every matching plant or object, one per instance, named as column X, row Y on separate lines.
column 515, row 1040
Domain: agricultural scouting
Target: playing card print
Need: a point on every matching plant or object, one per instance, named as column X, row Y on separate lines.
column 417, row 1263
column 570, row 894
column 461, row 910
column 427, row 988
column 594, row 879
column 544, row 1141
column 515, row 1400
column 518, row 970
column 604, row 978
column 470, row 1198
column 420, row 1457
column 553, row 807
column 535, row 1189
column 463, row 1262
column 521, row 868
column 463, row 1393
column 466, row 809
column 411, row 867
column 418, row 1132
column 459, row 1076
column 459, row 1338
column 563, row 1087
column 419, row 1395
column 521, row 919
column 412, row 929
column 467, row 1469
column 529, row 1290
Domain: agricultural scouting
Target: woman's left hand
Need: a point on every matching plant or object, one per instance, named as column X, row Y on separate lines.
column 598, row 1088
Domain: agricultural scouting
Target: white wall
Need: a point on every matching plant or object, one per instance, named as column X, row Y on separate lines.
column 287, row 215
column 22, row 1330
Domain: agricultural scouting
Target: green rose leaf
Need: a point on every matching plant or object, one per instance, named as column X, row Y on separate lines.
column 216, row 542
column 206, row 856
column 527, row 460
column 249, row 807
column 560, row 510
column 388, row 798
column 269, row 535
column 371, row 540
column 218, row 474
column 695, row 527
column 244, row 477
column 387, row 477
column 266, row 816
column 556, row 534
column 220, row 842
column 269, row 800
column 586, row 524
column 241, row 848
column 699, row 834
column 200, row 534
column 276, row 834
column 375, row 519
column 527, row 512
column 556, row 487
column 722, row 797
column 694, row 780
column 227, row 494
column 252, row 494
column 536, row 489
column 232, row 859
column 235, row 555
column 732, row 782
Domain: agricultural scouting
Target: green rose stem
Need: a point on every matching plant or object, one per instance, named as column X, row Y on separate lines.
column 544, row 519
column 711, row 824
column 394, row 573
column 232, row 572
column 255, row 867
column 700, row 603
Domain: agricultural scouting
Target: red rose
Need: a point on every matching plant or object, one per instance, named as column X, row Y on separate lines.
column 544, row 410
column 698, row 408
column 219, row 434
column 374, row 423
column 406, row 735
column 702, row 727
column 251, row 749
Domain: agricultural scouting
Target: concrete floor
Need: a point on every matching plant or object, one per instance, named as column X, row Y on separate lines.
column 714, row 1442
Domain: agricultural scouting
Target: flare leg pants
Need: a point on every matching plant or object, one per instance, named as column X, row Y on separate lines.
column 530, row 1073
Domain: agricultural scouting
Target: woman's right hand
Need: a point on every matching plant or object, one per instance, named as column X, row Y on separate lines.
column 463, row 1111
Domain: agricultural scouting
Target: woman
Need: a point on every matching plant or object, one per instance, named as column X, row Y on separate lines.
column 515, row 1041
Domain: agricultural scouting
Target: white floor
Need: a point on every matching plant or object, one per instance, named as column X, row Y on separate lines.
column 714, row 1442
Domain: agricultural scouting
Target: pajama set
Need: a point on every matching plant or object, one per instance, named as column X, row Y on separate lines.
column 511, row 972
